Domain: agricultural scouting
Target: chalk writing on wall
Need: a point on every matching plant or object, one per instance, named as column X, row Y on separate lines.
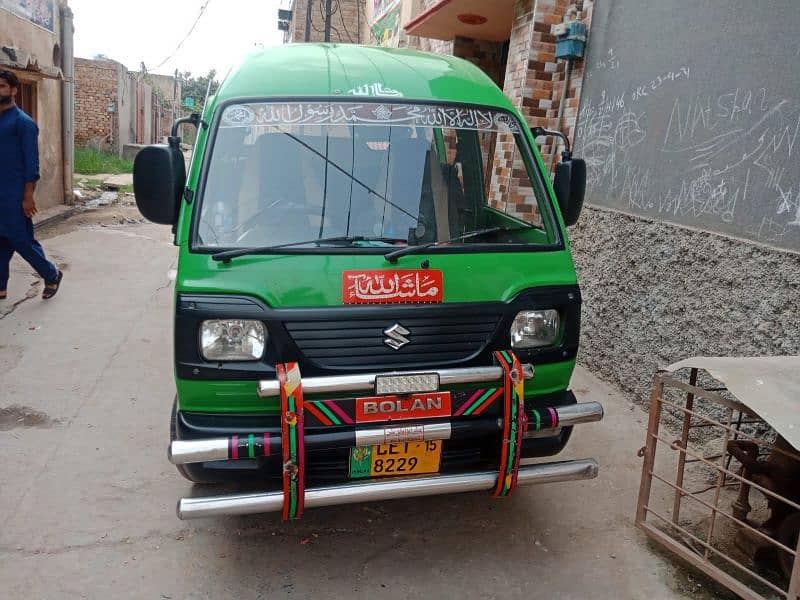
column 709, row 141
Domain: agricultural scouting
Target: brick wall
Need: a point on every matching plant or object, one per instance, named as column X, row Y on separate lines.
column 103, row 83
column 486, row 55
column 347, row 21
column 545, row 79
column 534, row 82
column 506, row 187
column 96, row 85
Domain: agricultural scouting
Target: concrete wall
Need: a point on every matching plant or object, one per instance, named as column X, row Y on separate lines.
column 169, row 93
column 34, row 48
column 170, row 88
column 126, row 110
column 346, row 23
column 147, row 103
column 655, row 293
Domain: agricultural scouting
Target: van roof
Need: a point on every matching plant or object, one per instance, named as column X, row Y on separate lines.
column 353, row 71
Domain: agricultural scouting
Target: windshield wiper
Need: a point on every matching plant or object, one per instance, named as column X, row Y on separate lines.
column 227, row 255
column 395, row 254
column 350, row 175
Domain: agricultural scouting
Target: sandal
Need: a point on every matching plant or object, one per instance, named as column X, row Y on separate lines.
column 49, row 290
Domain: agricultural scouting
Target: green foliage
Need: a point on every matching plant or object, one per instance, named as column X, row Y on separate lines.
column 89, row 161
column 196, row 87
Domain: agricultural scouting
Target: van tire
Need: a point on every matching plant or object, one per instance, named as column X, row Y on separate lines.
column 194, row 472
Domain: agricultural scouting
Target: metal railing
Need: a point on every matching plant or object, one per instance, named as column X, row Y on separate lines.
column 702, row 530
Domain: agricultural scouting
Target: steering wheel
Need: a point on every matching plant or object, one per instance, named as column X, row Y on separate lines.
column 261, row 226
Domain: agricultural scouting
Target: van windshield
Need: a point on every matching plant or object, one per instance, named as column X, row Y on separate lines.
column 377, row 174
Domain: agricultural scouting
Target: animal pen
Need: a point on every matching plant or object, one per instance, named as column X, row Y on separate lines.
column 724, row 495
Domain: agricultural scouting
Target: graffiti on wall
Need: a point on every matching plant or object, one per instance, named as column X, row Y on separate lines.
column 38, row 12
column 386, row 29
column 381, row 7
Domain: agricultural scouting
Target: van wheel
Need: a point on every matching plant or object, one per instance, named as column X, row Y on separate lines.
column 195, row 472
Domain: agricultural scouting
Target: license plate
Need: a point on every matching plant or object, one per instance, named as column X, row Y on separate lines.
column 401, row 458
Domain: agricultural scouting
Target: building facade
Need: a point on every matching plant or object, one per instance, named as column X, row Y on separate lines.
column 116, row 107
column 340, row 21
column 36, row 44
column 513, row 41
column 688, row 121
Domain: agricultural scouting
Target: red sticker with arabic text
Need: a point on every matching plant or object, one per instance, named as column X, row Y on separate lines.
column 392, row 286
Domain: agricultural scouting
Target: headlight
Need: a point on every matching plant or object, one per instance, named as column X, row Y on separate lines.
column 232, row 339
column 535, row 328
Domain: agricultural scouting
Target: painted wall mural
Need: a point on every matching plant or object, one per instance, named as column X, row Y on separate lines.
column 38, row 12
column 386, row 28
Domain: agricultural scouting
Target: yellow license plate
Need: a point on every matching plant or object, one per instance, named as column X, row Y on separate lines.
column 400, row 458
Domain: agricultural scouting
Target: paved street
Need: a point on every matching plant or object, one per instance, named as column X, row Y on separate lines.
column 87, row 496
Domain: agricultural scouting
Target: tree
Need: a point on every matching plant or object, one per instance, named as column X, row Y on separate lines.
column 196, row 87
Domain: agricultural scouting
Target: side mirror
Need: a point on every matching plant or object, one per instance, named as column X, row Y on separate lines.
column 159, row 176
column 570, row 187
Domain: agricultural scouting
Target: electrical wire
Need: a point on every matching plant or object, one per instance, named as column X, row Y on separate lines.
column 358, row 13
column 325, row 18
column 338, row 33
column 339, row 38
column 341, row 18
column 321, row 14
column 188, row 33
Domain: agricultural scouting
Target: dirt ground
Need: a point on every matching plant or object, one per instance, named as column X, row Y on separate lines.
column 87, row 496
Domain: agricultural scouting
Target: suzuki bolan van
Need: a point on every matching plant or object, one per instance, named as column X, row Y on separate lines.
column 375, row 296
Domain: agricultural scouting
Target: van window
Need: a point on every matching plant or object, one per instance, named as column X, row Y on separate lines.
column 392, row 174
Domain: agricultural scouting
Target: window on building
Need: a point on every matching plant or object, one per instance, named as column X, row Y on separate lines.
column 26, row 98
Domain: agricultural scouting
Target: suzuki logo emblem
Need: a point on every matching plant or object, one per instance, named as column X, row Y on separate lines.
column 396, row 336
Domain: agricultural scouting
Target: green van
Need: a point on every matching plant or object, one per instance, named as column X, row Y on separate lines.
column 375, row 296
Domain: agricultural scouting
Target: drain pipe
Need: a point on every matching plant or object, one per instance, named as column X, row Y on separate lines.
column 562, row 102
column 67, row 101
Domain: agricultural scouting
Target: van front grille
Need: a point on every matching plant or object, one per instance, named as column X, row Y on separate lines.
column 359, row 342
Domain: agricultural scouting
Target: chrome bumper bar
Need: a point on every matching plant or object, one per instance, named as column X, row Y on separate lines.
column 575, row 414
column 366, row 382
column 183, row 452
column 406, row 487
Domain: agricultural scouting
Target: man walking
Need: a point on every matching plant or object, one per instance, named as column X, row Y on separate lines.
column 19, row 172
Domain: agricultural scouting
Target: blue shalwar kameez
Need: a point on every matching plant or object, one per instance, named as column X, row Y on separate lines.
column 19, row 164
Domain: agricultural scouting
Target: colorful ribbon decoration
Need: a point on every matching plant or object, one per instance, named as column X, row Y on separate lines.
column 514, row 422
column 292, row 440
